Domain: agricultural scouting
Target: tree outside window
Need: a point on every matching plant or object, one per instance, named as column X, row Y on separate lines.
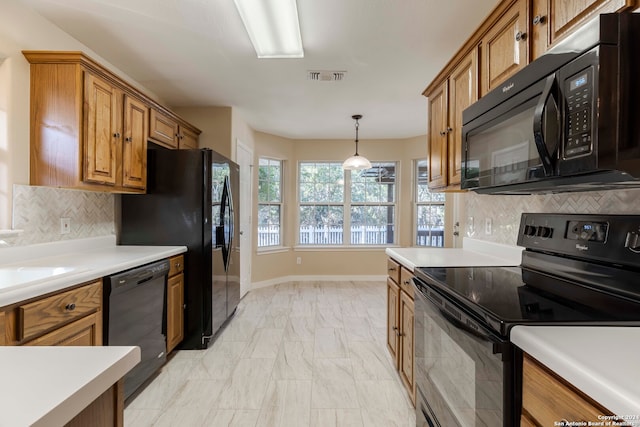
column 269, row 202
column 346, row 207
column 429, row 210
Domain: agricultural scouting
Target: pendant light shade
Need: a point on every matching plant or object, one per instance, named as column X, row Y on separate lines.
column 356, row 162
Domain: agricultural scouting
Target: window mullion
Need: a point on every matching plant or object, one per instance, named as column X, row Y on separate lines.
column 346, row 230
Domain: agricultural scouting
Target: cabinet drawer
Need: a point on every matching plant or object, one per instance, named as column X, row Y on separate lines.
column 47, row 313
column 163, row 129
column 393, row 269
column 176, row 265
column 405, row 281
column 547, row 399
column 83, row 332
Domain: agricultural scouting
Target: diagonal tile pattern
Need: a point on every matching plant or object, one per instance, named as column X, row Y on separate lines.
column 505, row 211
column 37, row 211
column 296, row 354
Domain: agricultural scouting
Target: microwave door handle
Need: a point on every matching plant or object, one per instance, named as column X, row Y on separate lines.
column 538, row 114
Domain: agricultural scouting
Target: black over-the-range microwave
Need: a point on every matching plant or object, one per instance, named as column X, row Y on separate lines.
column 569, row 121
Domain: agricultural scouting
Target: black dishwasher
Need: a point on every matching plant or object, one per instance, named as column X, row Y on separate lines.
column 134, row 314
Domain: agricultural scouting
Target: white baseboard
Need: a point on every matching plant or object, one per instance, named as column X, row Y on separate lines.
column 318, row 278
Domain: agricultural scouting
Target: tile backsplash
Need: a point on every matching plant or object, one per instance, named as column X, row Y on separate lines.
column 504, row 211
column 37, row 211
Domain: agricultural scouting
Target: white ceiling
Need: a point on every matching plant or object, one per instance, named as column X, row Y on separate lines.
column 197, row 53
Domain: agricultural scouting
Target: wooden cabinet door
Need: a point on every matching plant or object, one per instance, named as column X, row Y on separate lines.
column 505, row 47
column 540, row 37
column 163, row 129
column 2, row 329
column 84, row 332
column 134, row 149
column 406, row 344
column 393, row 299
column 437, row 144
column 188, row 139
column 175, row 313
column 567, row 15
column 463, row 91
column 102, row 130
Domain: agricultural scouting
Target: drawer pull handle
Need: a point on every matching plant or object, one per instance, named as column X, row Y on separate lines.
column 407, row 282
column 70, row 307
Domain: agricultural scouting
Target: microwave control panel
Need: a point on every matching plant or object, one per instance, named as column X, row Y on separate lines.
column 578, row 93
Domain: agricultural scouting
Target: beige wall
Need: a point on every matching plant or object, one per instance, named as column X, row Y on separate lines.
column 268, row 266
column 215, row 124
column 23, row 29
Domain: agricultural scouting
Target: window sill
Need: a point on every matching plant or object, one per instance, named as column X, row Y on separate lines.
column 272, row 250
column 343, row 248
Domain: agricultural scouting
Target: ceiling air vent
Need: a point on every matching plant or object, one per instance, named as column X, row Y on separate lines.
column 326, row 76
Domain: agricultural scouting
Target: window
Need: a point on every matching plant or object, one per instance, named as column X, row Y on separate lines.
column 346, row 207
column 429, row 210
column 269, row 202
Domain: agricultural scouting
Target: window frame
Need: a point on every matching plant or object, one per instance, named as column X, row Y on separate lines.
column 280, row 204
column 417, row 204
column 346, row 205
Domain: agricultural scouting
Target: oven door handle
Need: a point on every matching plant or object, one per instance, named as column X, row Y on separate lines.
column 550, row 88
column 496, row 347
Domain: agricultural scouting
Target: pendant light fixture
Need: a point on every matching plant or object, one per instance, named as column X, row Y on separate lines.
column 356, row 162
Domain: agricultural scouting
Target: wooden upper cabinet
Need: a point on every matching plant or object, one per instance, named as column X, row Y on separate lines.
column 102, row 130
column 89, row 128
column 437, row 137
column 505, row 46
column 566, row 16
column 163, row 129
column 447, row 101
column 539, row 28
column 188, row 138
column 134, row 150
column 463, row 91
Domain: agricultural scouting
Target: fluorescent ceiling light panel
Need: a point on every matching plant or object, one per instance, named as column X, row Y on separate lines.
column 272, row 26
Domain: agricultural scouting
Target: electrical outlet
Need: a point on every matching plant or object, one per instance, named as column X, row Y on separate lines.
column 488, row 226
column 65, row 225
column 299, row 260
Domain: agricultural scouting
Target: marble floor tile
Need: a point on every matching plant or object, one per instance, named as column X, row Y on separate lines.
column 336, row 418
column 294, row 361
column 300, row 329
column 264, row 344
column 334, row 394
column 330, row 342
column 303, row 354
column 232, row 418
column 286, row 403
column 246, row 387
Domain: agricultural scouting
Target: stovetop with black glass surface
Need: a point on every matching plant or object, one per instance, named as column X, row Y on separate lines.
column 576, row 269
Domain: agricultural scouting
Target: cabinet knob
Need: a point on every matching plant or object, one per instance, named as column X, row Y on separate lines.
column 128, row 139
column 70, row 307
column 520, row 36
column 177, row 265
column 392, row 269
column 539, row 19
column 116, row 135
column 443, row 133
column 449, row 129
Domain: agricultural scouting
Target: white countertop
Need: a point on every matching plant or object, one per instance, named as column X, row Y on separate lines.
column 602, row 362
column 55, row 266
column 474, row 253
column 48, row 386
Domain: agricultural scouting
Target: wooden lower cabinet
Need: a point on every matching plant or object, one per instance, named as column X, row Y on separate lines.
column 406, row 344
column 69, row 317
column 106, row 411
column 175, row 302
column 547, row 399
column 400, row 313
column 393, row 320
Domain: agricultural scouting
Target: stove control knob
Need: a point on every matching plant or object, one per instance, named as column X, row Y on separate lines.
column 530, row 230
column 545, row 232
column 632, row 241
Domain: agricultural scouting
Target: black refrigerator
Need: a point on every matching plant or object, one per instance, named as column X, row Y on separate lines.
column 192, row 200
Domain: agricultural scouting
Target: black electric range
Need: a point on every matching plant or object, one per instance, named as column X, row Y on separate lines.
column 575, row 270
